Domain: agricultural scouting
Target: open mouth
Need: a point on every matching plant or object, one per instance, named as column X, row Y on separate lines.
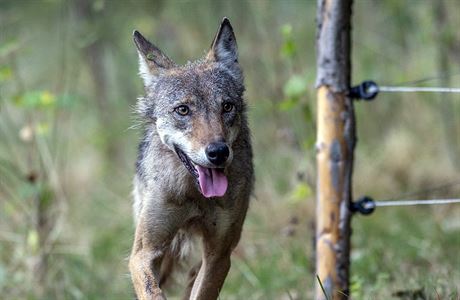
column 212, row 181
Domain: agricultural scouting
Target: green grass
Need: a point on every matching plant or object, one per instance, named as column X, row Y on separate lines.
column 66, row 164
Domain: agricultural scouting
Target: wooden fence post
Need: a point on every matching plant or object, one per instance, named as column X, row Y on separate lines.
column 335, row 146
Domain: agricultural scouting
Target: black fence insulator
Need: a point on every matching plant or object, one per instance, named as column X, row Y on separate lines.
column 367, row 90
column 364, row 205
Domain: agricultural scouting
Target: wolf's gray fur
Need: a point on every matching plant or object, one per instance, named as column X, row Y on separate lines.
column 186, row 109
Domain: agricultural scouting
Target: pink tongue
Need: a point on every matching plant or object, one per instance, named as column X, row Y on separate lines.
column 213, row 182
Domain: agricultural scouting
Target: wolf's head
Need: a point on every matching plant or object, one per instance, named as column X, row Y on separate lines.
column 197, row 109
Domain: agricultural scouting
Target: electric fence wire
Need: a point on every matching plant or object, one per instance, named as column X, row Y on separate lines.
column 366, row 205
column 368, row 90
column 408, row 86
column 381, row 203
column 412, row 89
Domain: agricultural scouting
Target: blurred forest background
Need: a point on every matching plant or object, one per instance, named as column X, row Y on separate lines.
column 68, row 82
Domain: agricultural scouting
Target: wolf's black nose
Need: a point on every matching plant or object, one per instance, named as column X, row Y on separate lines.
column 217, row 153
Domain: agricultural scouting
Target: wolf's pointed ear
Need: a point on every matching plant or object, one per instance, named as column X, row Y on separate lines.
column 224, row 48
column 151, row 60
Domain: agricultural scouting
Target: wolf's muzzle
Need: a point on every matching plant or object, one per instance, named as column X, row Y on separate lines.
column 217, row 153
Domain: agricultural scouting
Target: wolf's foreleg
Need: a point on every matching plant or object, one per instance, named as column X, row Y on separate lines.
column 217, row 249
column 211, row 277
column 150, row 244
column 144, row 265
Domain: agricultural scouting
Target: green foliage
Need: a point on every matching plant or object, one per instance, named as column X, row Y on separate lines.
column 68, row 82
column 5, row 73
column 288, row 50
column 9, row 47
column 301, row 192
column 295, row 89
column 43, row 100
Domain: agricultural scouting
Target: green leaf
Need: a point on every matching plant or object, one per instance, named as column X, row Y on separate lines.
column 47, row 99
column 5, row 73
column 300, row 192
column 36, row 99
column 288, row 104
column 286, row 31
column 307, row 112
column 288, row 49
column 33, row 240
column 296, row 86
column 356, row 287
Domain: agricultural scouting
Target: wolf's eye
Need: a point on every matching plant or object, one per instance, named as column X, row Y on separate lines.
column 228, row 107
column 182, row 110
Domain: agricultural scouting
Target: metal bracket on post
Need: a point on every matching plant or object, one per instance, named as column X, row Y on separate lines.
column 367, row 91
column 364, row 205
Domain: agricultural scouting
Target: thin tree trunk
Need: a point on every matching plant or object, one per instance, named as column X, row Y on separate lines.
column 94, row 55
column 447, row 106
column 335, row 146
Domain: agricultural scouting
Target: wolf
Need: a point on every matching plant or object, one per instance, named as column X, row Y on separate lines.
column 194, row 171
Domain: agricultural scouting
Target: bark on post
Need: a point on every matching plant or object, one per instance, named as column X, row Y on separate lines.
column 335, row 146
